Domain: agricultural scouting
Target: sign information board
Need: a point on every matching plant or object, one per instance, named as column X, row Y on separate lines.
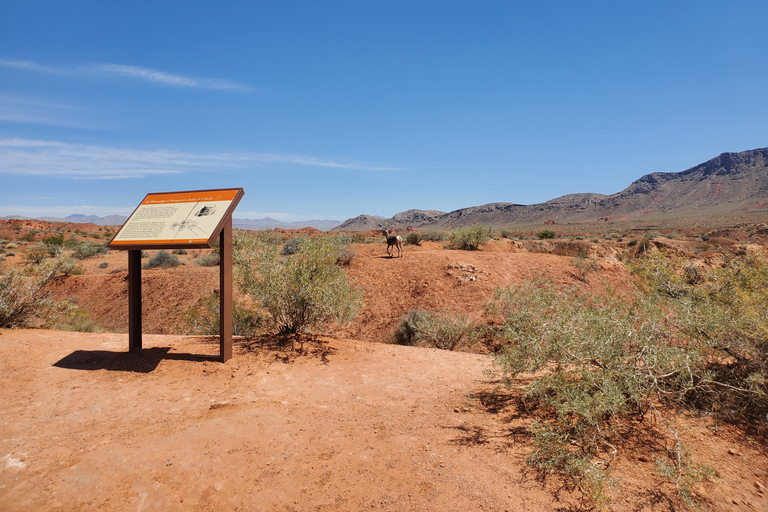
column 177, row 218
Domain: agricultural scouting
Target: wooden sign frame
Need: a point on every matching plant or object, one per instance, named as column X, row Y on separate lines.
column 159, row 222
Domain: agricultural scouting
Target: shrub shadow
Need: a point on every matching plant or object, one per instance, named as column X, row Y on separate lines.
column 287, row 348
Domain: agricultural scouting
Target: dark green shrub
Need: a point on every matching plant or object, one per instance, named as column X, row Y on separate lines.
column 546, row 235
column 433, row 236
column 163, row 259
column 469, row 239
column 413, row 238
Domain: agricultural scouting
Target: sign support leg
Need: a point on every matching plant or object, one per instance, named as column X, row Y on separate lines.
column 134, row 301
column 225, row 291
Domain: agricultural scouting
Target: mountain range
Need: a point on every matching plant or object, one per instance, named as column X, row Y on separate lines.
column 730, row 183
column 727, row 184
column 253, row 224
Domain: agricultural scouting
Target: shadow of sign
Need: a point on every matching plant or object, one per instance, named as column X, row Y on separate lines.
column 144, row 362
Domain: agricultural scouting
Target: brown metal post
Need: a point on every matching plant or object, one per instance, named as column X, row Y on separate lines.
column 225, row 291
column 134, row 301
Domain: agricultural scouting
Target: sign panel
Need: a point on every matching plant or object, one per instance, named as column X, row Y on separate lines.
column 172, row 219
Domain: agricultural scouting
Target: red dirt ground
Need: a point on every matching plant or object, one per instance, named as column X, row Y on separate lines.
column 330, row 423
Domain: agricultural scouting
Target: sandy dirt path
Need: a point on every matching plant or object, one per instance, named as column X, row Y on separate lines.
column 342, row 426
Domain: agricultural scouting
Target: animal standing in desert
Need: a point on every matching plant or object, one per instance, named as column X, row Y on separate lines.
column 393, row 240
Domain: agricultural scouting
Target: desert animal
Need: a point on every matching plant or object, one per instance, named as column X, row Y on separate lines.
column 393, row 240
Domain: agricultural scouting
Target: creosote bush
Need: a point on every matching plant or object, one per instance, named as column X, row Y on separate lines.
column 546, row 235
column 685, row 338
column 163, row 259
column 413, row 238
column 204, row 317
column 301, row 291
column 469, row 239
column 438, row 330
column 22, row 292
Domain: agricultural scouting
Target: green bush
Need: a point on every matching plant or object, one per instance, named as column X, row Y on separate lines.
column 22, row 292
column 469, row 239
column 37, row 253
column 687, row 337
column 438, row 330
column 163, row 259
column 301, row 291
column 204, row 317
column 413, row 238
column 85, row 250
column 433, row 236
column 210, row 260
column 546, row 235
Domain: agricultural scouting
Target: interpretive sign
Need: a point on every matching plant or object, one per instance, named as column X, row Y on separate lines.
column 173, row 219
column 170, row 220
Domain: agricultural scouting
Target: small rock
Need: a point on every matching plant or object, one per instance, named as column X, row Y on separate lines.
column 731, row 451
column 760, row 487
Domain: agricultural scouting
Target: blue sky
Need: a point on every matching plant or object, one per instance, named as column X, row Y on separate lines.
column 329, row 109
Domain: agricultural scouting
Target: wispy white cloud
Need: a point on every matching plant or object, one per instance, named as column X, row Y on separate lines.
column 88, row 161
column 134, row 72
column 21, row 109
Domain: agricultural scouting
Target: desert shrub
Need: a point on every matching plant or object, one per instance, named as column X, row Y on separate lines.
column 292, row 246
column 469, row 239
column 29, row 236
column 546, row 235
column 687, row 337
column 204, row 317
column 722, row 313
column 37, row 253
column 77, row 320
column 413, row 238
column 301, row 291
column 209, row 260
column 163, row 259
column 345, row 255
column 433, row 236
column 22, row 292
column 55, row 240
column 179, row 252
column 11, row 246
column 438, row 330
column 584, row 265
column 85, row 250
column 103, row 264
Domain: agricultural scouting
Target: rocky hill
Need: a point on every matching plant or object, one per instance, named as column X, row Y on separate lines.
column 729, row 183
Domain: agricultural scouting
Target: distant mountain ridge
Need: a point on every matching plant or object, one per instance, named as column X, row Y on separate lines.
column 728, row 183
column 252, row 224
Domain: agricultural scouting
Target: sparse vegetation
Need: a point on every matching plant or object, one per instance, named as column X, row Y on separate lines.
column 22, row 292
column 301, row 291
column 688, row 337
column 438, row 330
column 413, row 238
column 469, row 239
column 204, row 317
column 546, row 235
column 163, row 259
column 85, row 250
